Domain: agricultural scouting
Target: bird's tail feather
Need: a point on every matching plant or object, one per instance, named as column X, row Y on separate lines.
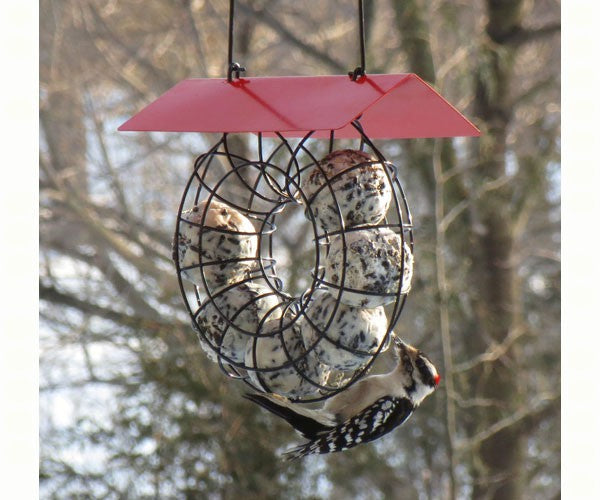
column 297, row 452
column 314, row 447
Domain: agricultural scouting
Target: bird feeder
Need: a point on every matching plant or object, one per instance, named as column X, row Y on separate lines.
column 312, row 346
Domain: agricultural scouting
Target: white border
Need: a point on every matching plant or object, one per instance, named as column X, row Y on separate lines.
column 580, row 243
column 19, row 420
column 19, row 247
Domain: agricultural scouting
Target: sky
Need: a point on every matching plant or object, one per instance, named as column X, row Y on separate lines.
column 19, row 135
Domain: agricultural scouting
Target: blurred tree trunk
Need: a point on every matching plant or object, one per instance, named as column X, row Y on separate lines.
column 498, row 459
column 498, row 468
column 62, row 122
column 62, row 112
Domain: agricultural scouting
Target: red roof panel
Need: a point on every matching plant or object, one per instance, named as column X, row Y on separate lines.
column 392, row 106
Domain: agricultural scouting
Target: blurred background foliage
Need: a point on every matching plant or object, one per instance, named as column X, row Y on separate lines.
column 131, row 407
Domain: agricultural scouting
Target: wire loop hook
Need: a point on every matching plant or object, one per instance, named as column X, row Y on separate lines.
column 234, row 68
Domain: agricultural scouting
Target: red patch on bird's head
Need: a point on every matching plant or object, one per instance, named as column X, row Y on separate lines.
column 437, row 378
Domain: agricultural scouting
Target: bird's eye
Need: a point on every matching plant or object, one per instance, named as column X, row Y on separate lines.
column 427, row 371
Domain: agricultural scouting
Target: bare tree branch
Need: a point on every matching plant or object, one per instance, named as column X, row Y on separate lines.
column 539, row 407
column 493, row 353
column 533, row 91
column 52, row 294
column 264, row 16
column 110, row 169
column 522, row 36
column 85, row 211
column 197, row 40
column 461, row 206
column 99, row 30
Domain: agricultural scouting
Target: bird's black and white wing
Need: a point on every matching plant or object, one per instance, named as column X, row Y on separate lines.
column 373, row 422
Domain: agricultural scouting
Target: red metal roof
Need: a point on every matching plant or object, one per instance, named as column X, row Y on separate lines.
column 392, row 106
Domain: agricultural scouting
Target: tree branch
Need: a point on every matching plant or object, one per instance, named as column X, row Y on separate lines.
column 51, row 294
column 196, row 39
column 522, row 36
column 80, row 384
column 532, row 91
column 533, row 412
column 494, row 352
column 84, row 210
column 98, row 30
column 107, row 162
column 460, row 207
column 265, row 17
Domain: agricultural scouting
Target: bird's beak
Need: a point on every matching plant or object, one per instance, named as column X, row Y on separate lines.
column 399, row 342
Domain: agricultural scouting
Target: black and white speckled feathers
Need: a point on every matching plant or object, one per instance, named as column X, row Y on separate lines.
column 367, row 410
column 383, row 416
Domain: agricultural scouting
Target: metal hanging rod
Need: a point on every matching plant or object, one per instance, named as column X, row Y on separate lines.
column 232, row 67
column 360, row 71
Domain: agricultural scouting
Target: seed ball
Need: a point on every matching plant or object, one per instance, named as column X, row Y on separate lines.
column 231, row 318
column 361, row 186
column 282, row 376
column 225, row 234
column 373, row 266
column 352, row 328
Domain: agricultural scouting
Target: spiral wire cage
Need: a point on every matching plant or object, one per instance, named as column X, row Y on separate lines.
column 261, row 189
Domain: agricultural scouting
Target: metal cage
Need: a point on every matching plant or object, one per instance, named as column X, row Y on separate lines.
column 261, row 188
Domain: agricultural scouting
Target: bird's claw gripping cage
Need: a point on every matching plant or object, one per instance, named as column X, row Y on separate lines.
column 310, row 346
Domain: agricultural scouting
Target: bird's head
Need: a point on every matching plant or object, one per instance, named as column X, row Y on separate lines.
column 420, row 371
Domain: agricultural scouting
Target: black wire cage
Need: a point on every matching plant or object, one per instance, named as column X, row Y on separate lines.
column 245, row 319
column 310, row 345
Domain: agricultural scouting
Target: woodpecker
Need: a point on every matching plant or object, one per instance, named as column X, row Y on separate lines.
column 362, row 413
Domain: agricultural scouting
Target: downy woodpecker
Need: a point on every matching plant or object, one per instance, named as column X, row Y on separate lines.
column 364, row 412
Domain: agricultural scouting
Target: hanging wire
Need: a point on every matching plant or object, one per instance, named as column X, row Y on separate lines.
column 232, row 67
column 360, row 71
column 237, row 68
